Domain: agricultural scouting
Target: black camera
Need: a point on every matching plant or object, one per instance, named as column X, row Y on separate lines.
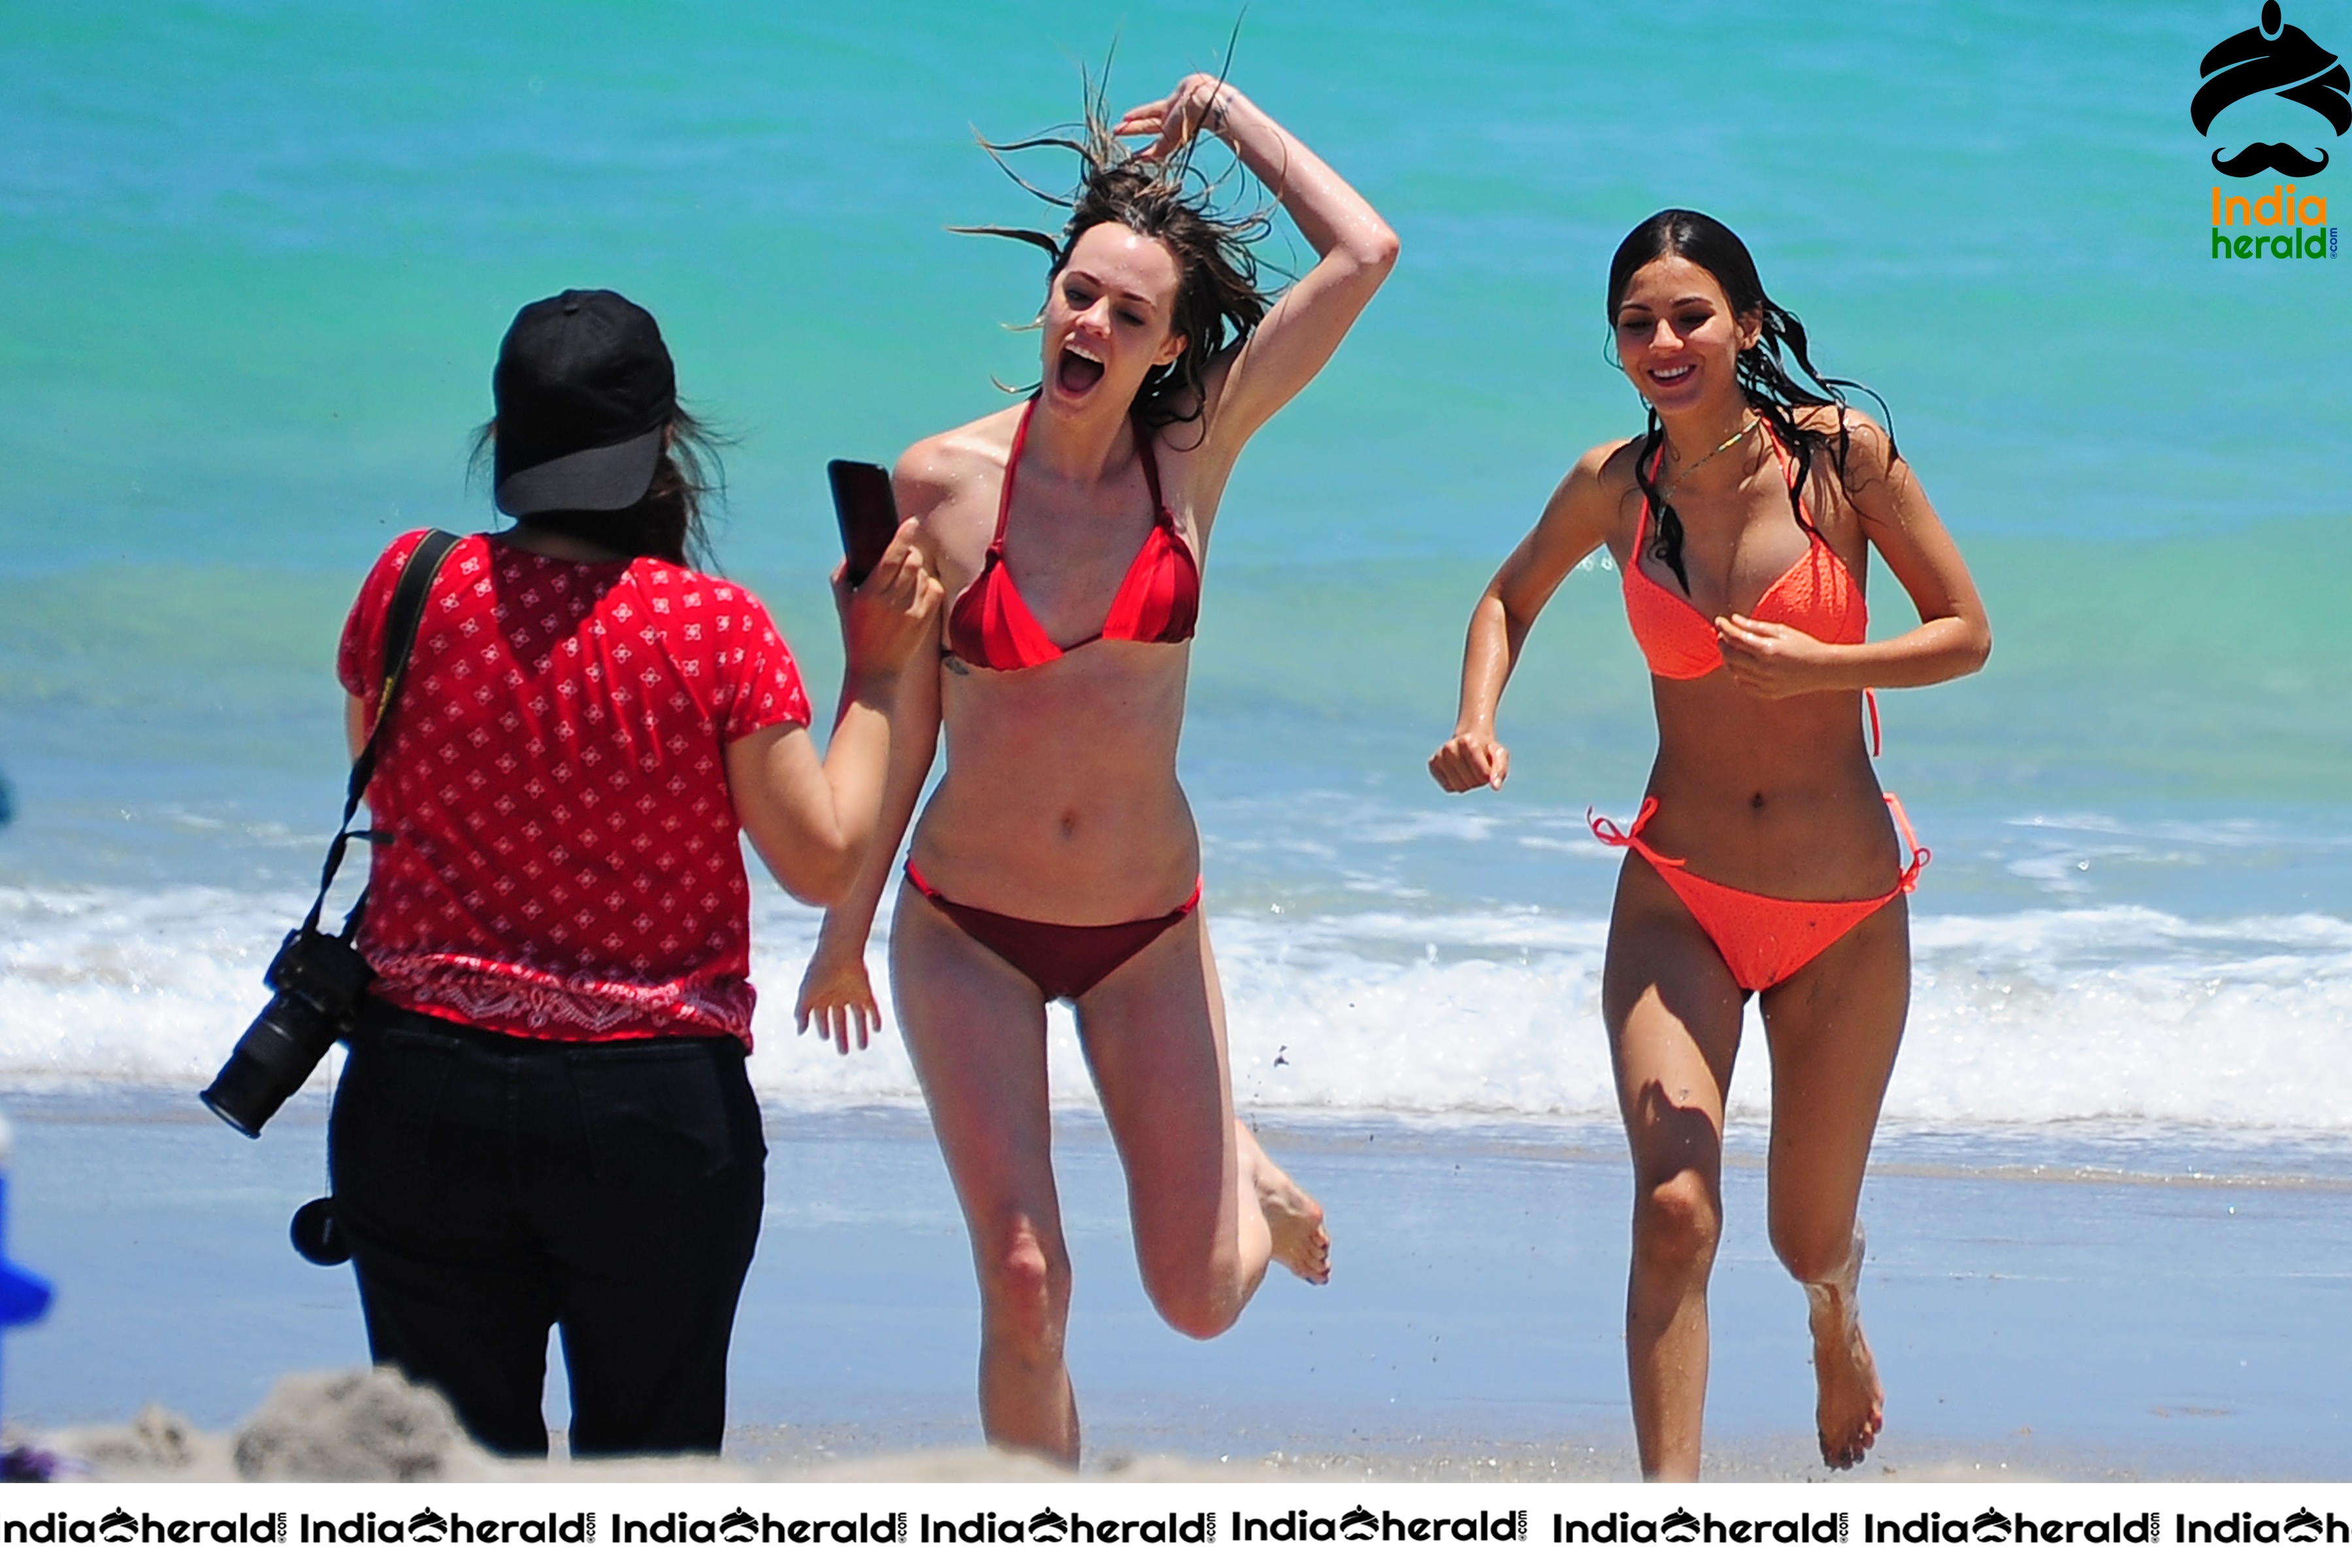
column 320, row 981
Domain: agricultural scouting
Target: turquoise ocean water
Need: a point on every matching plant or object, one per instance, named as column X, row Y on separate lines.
column 257, row 258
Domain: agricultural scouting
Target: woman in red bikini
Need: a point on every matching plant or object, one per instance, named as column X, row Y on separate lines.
column 1058, row 859
column 1765, row 858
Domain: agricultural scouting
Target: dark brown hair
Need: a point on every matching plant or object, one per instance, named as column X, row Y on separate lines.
column 1218, row 297
column 1763, row 371
column 666, row 522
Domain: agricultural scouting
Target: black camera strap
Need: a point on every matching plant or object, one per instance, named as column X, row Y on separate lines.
column 400, row 624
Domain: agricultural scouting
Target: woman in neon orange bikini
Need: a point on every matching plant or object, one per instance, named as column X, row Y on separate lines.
column 1765, row 858
column 1059, row 859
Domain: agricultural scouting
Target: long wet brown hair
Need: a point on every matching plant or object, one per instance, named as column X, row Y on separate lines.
column 1763, row 373
column 1219, row 300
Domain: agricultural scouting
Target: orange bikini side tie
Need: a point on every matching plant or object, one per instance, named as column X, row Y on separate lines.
column 1763, row 940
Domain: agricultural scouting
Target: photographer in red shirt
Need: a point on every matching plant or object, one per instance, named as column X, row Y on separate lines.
column 545, row 1120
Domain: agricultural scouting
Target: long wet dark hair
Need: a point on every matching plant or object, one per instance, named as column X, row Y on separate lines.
column 666, row 522
column 1764, row 376
column 1218, row 297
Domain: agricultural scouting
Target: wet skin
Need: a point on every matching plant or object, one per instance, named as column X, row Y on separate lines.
column 1060, row 801
column 1764, row 784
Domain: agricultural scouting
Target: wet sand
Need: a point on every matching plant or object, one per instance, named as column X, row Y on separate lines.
column 2093, row 1310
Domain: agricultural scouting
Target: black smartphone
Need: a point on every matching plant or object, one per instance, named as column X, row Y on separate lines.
column 866, row 510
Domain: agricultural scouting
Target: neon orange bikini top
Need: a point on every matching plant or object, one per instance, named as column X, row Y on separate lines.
column 1817, row 595
column 990, row 628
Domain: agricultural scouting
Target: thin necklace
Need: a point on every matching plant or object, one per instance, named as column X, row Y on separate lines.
column 1728, row 442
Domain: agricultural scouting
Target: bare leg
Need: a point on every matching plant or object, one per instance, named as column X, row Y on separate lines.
column 976, row 1029
column 1210, row 1208
column 1834, row 1027
column 1294, row 1221
column 1672, row 1013
column 1849, row 1405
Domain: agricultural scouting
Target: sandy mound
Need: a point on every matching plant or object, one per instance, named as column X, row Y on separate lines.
column 376, row 1425
column 367, row 1426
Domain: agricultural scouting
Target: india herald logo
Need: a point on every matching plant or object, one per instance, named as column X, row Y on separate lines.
column 2285, row 62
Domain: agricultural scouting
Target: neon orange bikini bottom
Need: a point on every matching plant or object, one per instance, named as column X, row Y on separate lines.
column 1763, row 940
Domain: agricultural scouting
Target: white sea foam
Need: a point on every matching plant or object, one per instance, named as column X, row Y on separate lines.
column 2116, row 1014
column 2112, row 1015
column 132, row 987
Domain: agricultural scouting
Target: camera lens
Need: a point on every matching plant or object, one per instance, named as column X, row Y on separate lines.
column 320, row 981
column 271, row 1060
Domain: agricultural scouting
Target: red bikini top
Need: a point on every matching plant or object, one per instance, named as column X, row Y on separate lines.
column 1816, row 595
column 1158, row 600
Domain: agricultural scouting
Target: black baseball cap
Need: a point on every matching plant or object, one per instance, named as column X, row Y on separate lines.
column 585, row 390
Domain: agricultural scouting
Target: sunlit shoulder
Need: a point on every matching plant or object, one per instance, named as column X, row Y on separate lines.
column 933, row 473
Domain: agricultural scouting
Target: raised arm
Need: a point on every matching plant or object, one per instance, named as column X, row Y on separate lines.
column 1954, row 637
column 1575, row 522
column 1356, row 249
column 813, row 822
column 836, row 992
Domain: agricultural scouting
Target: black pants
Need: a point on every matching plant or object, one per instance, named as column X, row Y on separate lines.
column 493, row 1186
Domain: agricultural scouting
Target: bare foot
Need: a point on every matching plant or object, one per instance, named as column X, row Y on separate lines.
column 1295, row 1220
column 1852, row 1406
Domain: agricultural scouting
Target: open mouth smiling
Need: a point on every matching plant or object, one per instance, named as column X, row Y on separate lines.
column 1076, row 371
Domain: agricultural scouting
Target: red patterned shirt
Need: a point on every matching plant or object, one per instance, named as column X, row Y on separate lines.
column 567, row 864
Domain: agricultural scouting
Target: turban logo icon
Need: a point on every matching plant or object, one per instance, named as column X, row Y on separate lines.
column 2287, row 63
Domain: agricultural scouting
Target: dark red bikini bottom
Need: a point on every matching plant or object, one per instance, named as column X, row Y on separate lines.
column 1763, row 940
column 1060, row 961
